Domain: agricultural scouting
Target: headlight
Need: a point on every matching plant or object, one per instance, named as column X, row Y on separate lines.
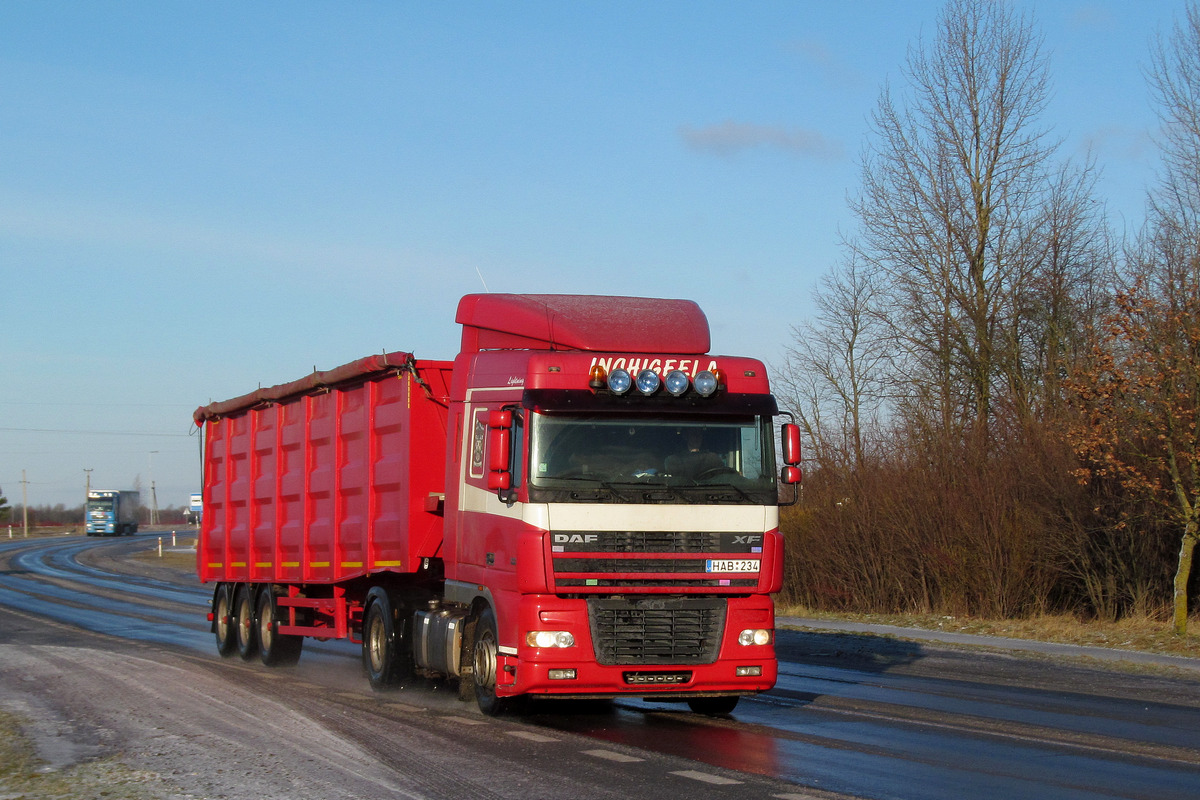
column 705, row 383
column 619, row 381
column 677, row 382
column 550, row 639
column 648, row 381
column 759, row 636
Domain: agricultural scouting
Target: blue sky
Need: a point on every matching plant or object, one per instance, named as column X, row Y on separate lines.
column 198, row 198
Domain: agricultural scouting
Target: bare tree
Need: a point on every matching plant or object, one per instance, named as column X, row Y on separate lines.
column 1171, row 269
column 1175, row 82
column 834, row 369
column 949, row 324
column 958, row 188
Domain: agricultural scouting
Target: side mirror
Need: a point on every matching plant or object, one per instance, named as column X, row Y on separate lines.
column 790, row 437
column 499, row 447
column 790, row 475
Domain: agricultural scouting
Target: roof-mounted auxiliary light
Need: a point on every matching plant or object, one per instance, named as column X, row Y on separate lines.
column 619, row 381
column 706, row 383
column 648, row 382
column 677, row 382
column 596, row 378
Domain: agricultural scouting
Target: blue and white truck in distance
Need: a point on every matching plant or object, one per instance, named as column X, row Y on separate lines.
column 111, row 513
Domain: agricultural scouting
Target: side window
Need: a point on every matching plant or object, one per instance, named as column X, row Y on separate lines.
column 516, row 457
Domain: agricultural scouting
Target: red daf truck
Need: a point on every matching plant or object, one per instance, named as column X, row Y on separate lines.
column 584, row 503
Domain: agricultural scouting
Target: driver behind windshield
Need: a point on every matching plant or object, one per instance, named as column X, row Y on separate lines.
column 695, row 460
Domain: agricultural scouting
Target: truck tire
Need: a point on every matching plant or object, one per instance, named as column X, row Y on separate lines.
column 275, row 649
column 244, row 624
column 386, row 643
column 485, row 662
column 713, row 706
column 223, row 626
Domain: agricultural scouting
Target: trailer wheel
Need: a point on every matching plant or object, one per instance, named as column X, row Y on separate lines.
column 485, row 647
column 275, row 649
column 243, row 618
column 223, row 620
column 386, row 654
column 713, row 706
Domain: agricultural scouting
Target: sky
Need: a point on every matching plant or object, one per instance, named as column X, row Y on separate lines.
column 197, row 199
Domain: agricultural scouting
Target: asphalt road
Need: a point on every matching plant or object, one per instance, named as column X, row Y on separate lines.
column 106, row 656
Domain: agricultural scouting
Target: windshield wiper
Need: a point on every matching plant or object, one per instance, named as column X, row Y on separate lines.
column 650, row 491
column 722, row 491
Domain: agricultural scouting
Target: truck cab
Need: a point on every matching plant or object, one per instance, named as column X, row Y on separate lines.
column 613, row 499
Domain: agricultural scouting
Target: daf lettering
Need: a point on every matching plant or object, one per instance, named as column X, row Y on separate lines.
column 576, row 538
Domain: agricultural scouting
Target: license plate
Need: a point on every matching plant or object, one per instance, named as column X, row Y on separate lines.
column 731, row 565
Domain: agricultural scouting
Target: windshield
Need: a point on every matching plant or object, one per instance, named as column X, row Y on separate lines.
column 100, row 506
column 597, row 458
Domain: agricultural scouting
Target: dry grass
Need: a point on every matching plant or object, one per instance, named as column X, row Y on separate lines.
column 1142, row 633
column 25, row 776
column 182, row 555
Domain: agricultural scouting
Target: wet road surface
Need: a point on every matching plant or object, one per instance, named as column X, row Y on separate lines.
column 857, row 716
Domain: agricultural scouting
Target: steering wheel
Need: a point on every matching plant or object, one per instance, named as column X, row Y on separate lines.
column 715, row 471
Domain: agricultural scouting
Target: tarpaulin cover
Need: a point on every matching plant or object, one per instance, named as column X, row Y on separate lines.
column 358, row 370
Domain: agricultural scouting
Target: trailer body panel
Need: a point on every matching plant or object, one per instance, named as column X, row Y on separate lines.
column 329, row 485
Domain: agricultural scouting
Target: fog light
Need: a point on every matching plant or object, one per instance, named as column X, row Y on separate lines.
column 677, row 382
column 648, row 381
column 565, row 674
column 759, row 636
column 619, row 381
column 706, row 382
column 749, row 672
column 550, row 639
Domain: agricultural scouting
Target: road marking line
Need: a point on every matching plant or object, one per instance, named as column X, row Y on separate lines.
column 350, row 696
column 531, row 736
column 611, row 756
column 704, row 777
column 402, row 707
column 465, row 720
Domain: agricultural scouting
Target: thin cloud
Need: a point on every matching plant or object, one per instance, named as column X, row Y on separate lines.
column 730, row 138
column 833, row 70
column 1121, row 141
column 1090, row 17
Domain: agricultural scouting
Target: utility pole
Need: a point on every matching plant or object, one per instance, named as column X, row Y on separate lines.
column 87, row 492
column 153, row 494
column 25, row 503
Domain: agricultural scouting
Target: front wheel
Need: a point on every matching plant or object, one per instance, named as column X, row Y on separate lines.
column 485, row 661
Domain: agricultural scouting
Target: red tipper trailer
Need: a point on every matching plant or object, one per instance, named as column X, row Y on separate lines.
column 583, row 504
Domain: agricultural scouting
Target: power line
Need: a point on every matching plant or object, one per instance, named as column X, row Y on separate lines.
column 93, row 433
column 90, row 405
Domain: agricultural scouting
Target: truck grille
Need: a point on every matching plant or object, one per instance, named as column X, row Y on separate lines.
column 579, row 558
column 675, row 630
column 602, row 565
